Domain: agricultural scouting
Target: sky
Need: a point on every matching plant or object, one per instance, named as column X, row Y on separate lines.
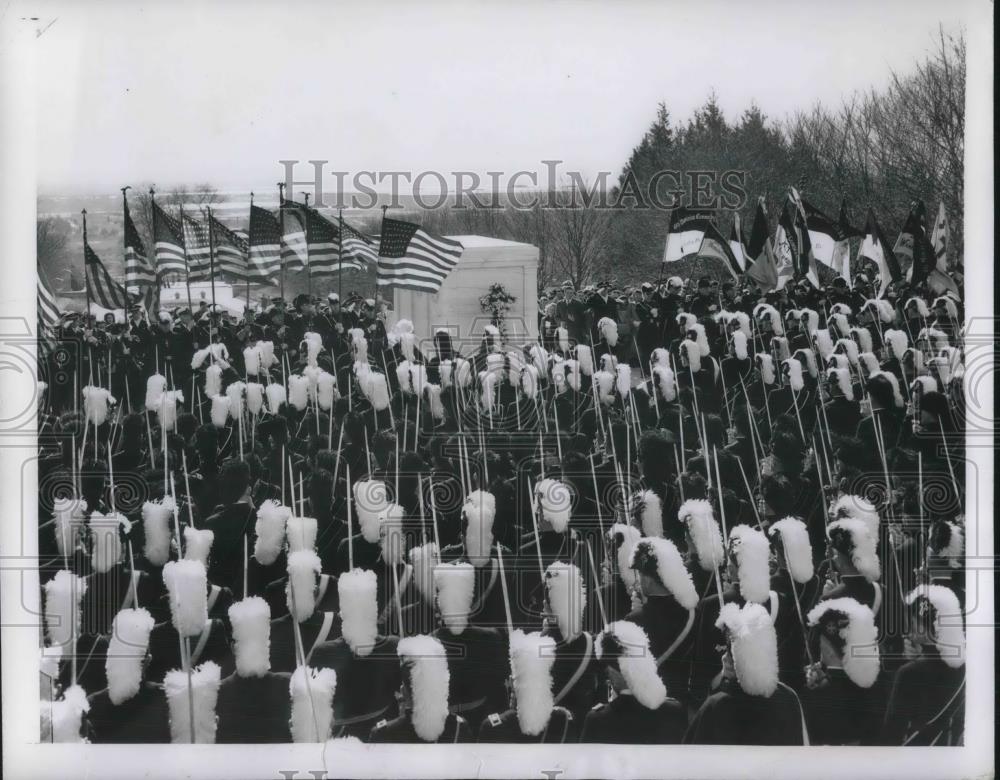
column 187, row 92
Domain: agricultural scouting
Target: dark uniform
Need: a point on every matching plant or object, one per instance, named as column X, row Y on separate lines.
column 253, row 710
column 625, row 721
column 456, row 730
column 732, row 717
column 504, row 727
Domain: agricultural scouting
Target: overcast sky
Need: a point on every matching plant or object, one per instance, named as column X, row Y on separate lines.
column 193, row 92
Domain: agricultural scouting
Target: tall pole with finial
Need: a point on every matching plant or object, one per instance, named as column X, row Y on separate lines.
column 305, row 217
column 125, row 245
column 86, row 271
column 152, row 211
column 281, row 241
column 248, row 250
column 340, row 256
column 187, row 263
column 385, row 207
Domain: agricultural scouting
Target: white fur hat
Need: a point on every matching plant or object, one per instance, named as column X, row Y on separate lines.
column 703, row 528
column 650, row 513
column 427, row 661
column 862, row 546
column 156, row 516
column 625, row 538
column 857, row 507
column 794, row 538
column 300, row 588
column 531, row 659
column 555, row 502
column 187, row 585
column 63, row 594
column 856, row 624
column 636, row 661
column 949, row 636
column 479, row 511
column 455, row 583
column 251, row 622
column 751, row 550
column 272, row 518
column 754, row 646
column 842, row 377
column 670, row 569
column 312, row 692
column 204, row 685
column 358, row 591
column 567, row 597
column 897, row 341
column 609, row 330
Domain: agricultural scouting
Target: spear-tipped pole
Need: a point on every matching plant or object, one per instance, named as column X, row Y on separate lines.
column 350, row 542
column 597, row 584
column 503, row 587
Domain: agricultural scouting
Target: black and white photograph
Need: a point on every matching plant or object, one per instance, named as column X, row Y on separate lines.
column 484, row 389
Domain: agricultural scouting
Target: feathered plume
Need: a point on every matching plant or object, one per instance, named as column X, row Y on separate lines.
column 848, row 347
column 479, row 511
column 651, row 513
column 824, row 342
column 251, row 622
column 870, row 363
column 563, row 337
column 455, row 583
column 609, row 331
column 530, row 379
column 661, row 357
column 126, row 651
column 62, row 719
column 251, row 360
column 155, row 386
column 585, row 359
column 625, row 538
column 857, row 628
column 669, row 568
column 255, row 397
column 692, row 352
column 949, row 637
column 63, row 594
column 863, row 546
column 270, row 529
column 531, row 659
column 623, row 380
column 220, row 410
column 358, row 592
column 751, row 550
column 300, row 590
column 68, row 513
column 276, row 396
column 567, row 597
column 635, row 661
column 794, row 538
column 105, row 533
column 766, row 363
column 424, row 559
column 665, row 382
column 198, row 544
column 739, row 344
column 391, row 541
column 187, row 585
column 795, row 380
column 204, row 681
column 849, row 505
column 699, row 517
column 95, row 404
column 234, row 392
column 427, row 662
column 213, row 381
column 298, row 391
column 371, row 499
column 754, row 646
column 555, row 502
column 312, row 704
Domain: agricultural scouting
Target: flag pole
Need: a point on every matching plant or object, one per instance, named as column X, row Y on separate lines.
column 86, row 272
column 340, row 257
column 125, row 254
column 281, row 219
column 309, row 285
column 211, row 266
column 381, row 232
column 248, row 252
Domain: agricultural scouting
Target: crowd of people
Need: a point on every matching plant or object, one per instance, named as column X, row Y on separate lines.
column 685, row 513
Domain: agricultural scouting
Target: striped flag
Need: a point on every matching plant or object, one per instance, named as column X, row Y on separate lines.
column 876, row 248
column 939, row 280
column 685, row 233
column 231, row 250
column 48, row 316
column 138, row 271
column 265, row 244
column 829, row 240
column 763, row 268
column 410, row 258
column 294, row 249
column 321, row 239
column 104, row 290
column 715, row 246
column 197, row 247
column 357, row 248
column 169, row 240
column 736, row 242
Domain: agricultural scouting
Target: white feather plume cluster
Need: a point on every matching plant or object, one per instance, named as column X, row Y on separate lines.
column 938, row 339
column 358, row 592
column 562, row 336
column 808, row 359
column 371, row 498
column 434, row 402
column 670, row 569
column 272, row 518
column 530, row 381
column 298, row 391
column 198, row 544
column 896, row 339
column 205, row 681
column 403, row 377
column 772, row 315
column 706, row 536
column 752, row 551
column 840, row 324
column 391, row 540
column 864, row 554
column 860, row 656
column 636, row 663
column 650, row 513
column 666, row 384
column 739, row 339
column 811, row 318
column 954, row 550
column 127, row 647
column 479, row 511
column 63, row 595
column 609, row 331
column 187, row 586
column 780, row 348
column 949, row 636
column 897, row 396
column 555, row 500
column 661, row 357
column 463, row 373
column 312, row 704
column 692, row 352
column 928, row 384
column 251, row 622
column 842, row 377
column 848, row 347
column 488, row 381
column 567, row 597
column 623, row 380
column 754, row 646
column 630, row 537
column 301, row 533
column 95, row 404
column 794, row 538
column 155, row 386
column 251, row 360
column 857, row 507
column 491, row 338
column 235, row 392
column 105, row 534
column 424, row 558
column 515, row 367
column 455, row 583
column 766, row 364
column 446, row 368
column 585, row 359
column 539, row 357
column 300, row 590
column 220, row 410
column 795, row 380
column 276, row 396
column 531, row 658
column 862, row 337
column 314, row 345
column 870, row 363
column 68, row 514
column 949, row 305
column 62, row 719
column 267, row 356
column 255, row 397
column 213, row 380
column 823, row 342
column 326, row 390
column 429, row 679
column 921, row 306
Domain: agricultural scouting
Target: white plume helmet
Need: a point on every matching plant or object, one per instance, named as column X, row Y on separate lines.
column 793, row 314
column 841, row 308
column 515, row 363
column 530, row 380
column 941, row 367
column 463, row 372
column 862, row 338
column 559, row 375
column 670, row 569
column 808, row 359
column 795, row 380
column 896, row 340
column 863, row 546
column 605, row 381
column 766, row 364
column 555, row 502
column 685, row 320
column 842, row 377
column 854, row 506
column 63, row 595
column 403, row 376
column 359, row 344
column 838, row 361
column 848, row 347
column 251, row 360
column 623, row 380
column 251, row 622
column 255, row 397
column 797, row 551
column 918, row 358
column 609, row 331
column 665, row 382
column 314, row 344
column 928, row 384
column 126, row 651
column 706, row 536
column 401, row 327
column 488, row 381
column 701, row 338
column 95, row 404
column 479, row 511
column 773, row 317
column 326, row 390
column 636, row 662
column 434, row 402
column 298, row 391
column 371, row 499
column 823, row 342
column 424, row 559
column 213, row 380
column 276, row 396
column 539, row 358
column 949, row 305
column 920, row 304
column 949, row 636
column 812, row 320
column 897, row 396
column 938, row 339
column 408, row 346
column 744, row 322
column 300, row 589
column 567, row 597
column 531, row 659
column 650, row 513
column 68, row 513
column 267, row 356
column 220, row 410
column 839, row 323
column 562, row 336
column 446, row 368
column 301, row 533
column 739, row 339
column 692, row 352
column 491, row 338
column 754, row 646
column 234, row 392
column 585, row 359
column 62, row 719
column 425, row 658
column 751, row 550
column 155, row 386
column 203, row 683
column 391, row 541
column 780, row 348
column 379, row 397
column 358, row 592
column 187, row 586
column 661, row 357
column 870, row 363
column 312, row 704
column 105, row 534
column 455, row 583
column 270, row 530
column 625, row 537
column 198, row 544
column 573, row 374
column 860, row 657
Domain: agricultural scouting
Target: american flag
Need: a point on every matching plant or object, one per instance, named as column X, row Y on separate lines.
column 48, row 316
column 105, row 290
column 265, row 241
column 169, row 240
column 294, row 250
column 410, row 258
column 197, row 248
column 231, row 250
column 138, row 271
column 357, row 249
column 326, row 256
